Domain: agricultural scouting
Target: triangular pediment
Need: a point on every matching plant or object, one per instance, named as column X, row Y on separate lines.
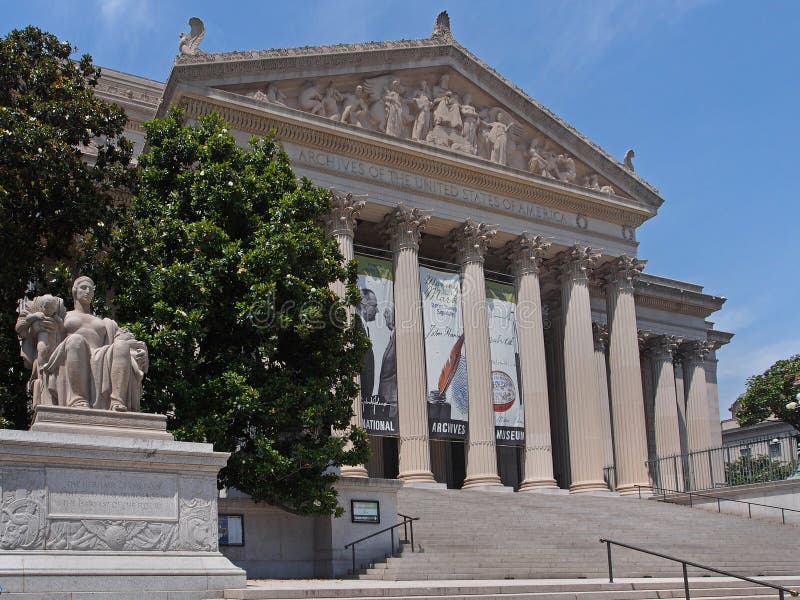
column 431, row 92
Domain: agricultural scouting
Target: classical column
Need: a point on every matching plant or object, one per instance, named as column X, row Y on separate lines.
column 697, row 430
column 340, row 224
column 583, row 410
column 625, row 376
column 600, row 337
column 666, row 423
column 403, row 228
column 525, row 255
column 470, row 242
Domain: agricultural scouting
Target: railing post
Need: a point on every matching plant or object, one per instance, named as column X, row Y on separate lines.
column 749, row 511
column 610, row 568
column 783, row 516
column 411, row 524
column 685, row 581
column 638, row 487
column 719, row 508
column 690, row 499
column 353, row 551
column 391, row 536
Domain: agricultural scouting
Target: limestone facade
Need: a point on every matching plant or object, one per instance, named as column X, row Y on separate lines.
column 458, row 167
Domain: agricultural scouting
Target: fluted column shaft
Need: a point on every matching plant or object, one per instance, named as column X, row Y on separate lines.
column 600, row 332
column 694, row 374
column 665, row 411
column 525, row 255
column 470, row 243
column 403, row 228
column 625, row 377
column 340, row 224
column 583, row 411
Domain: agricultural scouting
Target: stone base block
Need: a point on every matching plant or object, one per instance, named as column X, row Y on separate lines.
column 85, row 511
column 63, row 419
column 124, row 576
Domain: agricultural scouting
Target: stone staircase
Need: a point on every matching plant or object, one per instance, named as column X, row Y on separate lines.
column 489, row 535
column 486, row 545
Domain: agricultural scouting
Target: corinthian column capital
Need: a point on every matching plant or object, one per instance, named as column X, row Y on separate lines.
column 662, row 347
column 470, row 241
column 345, row 208
column 695, row 350
column 577, row 262
column 525, row 254
column 623, row 271
column 403, row 227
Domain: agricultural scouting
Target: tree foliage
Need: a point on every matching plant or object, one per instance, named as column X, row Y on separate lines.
column 772, row 393
column 55, row 207
column 225, row 273
column 759, row 469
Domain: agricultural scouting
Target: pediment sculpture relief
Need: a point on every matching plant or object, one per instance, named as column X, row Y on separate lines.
column 434, row 110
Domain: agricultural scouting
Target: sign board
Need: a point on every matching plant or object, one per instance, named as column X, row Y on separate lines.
column 365, row 511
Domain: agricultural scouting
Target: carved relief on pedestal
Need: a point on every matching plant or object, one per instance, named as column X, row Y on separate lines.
column 22, row 520
column 197, row 528
column 432, row 106
column 104, row 535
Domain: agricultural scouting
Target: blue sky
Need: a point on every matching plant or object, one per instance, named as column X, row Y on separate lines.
column 707, row 92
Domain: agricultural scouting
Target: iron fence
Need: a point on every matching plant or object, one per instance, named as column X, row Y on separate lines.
column 751, row 461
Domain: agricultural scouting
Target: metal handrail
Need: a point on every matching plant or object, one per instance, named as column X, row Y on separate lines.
column 719, row 500
column 685, row 563
column 408, row 526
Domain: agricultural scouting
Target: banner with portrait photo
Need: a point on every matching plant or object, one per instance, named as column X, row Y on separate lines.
column 509, row 413
column 379, row 374
column 445, row 361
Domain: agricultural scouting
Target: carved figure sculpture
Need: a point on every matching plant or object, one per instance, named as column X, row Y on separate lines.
column 498, row 138
column 393, row 104
column 42, row 322
column 537, row 163
column 469, row 129
column 355, row 109
column 310, row 99
column 275, row 96
column 448, row 113
column 565, row 168
column 330, row 103
column 94, row 363
column 422, row 123
column 190, row 42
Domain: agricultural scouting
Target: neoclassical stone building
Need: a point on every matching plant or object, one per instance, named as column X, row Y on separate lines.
column 443, row 171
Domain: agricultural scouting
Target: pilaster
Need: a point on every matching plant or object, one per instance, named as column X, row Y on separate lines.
column 525, row 256
column 470, row 242
column 403, row 228
column 625, row 377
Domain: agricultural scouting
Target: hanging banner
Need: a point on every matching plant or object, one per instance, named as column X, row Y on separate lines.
column 509, row 413
column 379, row 373
column 445, row 361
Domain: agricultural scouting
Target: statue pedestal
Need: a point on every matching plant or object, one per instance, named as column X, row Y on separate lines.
column 108, row 503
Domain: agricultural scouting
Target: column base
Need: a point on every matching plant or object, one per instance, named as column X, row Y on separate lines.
column 416, row 478
column 546, row 486
column 353, row 471
column 584, row 487
column 632, row 490
column 482, row 481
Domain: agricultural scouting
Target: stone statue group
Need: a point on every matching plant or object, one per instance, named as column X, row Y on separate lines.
column 437, row 115
column 78, row 359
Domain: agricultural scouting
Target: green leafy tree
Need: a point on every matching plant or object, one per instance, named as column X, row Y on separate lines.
column 55, row 206
column 772, row 393
column 225, row 273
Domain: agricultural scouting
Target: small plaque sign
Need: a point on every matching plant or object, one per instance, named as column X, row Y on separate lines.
column 231, row 530
column 365, row 511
